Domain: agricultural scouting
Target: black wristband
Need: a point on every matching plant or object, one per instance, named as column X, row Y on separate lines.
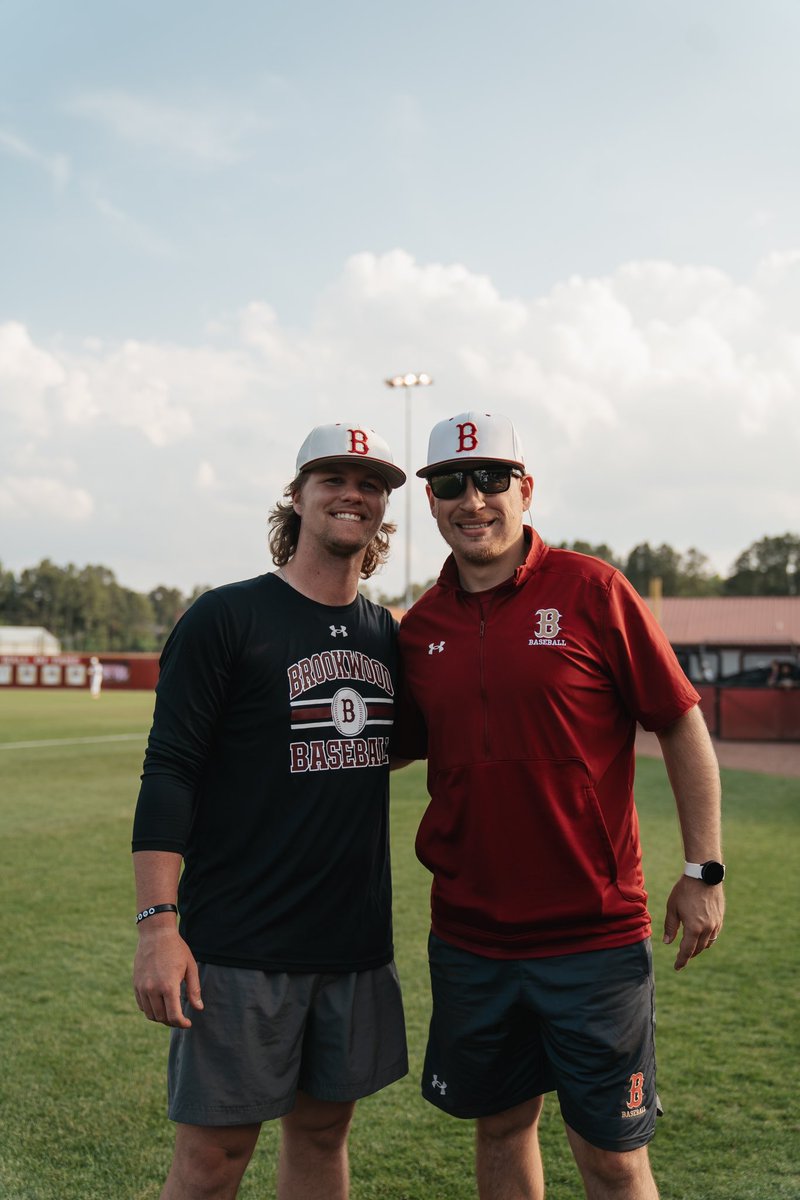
column 156, row 908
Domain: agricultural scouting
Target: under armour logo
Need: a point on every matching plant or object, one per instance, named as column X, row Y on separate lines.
column 438, row 648
column 342, row 629
column 440, row 1085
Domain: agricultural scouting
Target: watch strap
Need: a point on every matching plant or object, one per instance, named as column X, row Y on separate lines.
column 698, row 871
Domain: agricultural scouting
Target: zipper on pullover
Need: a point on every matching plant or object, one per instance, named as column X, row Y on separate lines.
column 484, row 698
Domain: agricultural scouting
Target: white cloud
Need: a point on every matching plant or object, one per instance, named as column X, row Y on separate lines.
column 656, row 403
column 260, row 328
column 158, row 391
column 23, row 365
column 211, row 134
column 56, row 166
column 59, row 170
column 206, row 476
column 79, row 403
column 27, row 373
column 395, row 281
column 128, row 226
column 38, row 496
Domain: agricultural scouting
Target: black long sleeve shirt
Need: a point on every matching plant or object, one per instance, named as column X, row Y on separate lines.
column 267, row 769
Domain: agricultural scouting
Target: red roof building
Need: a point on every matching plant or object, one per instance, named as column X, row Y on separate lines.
column 743, row 655
column 717, row 636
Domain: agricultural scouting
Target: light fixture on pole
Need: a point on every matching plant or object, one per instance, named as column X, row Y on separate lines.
column 407, row 382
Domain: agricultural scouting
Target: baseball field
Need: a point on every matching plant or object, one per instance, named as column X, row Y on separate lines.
column 82, row 1098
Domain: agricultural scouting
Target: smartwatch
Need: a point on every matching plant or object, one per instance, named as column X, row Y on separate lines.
column 710, row 872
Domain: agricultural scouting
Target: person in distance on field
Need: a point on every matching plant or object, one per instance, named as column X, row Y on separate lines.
column 95, row 677
column 266, row 775
column 525, row 672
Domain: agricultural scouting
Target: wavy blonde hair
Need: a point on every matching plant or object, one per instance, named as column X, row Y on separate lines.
column 285, row 524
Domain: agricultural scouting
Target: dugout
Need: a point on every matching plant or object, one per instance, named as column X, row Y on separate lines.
column 134, row 671
column 729, row 647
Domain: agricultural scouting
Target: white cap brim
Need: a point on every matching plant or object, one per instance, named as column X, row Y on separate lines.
column 392, row 474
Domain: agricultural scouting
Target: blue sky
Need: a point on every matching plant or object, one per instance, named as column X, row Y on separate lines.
column 223, row 224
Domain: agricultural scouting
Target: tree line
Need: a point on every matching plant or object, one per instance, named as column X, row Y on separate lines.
column 768, row 567
column 88, row 610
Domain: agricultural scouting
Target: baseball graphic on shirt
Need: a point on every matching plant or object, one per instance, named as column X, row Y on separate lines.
column 349, row 712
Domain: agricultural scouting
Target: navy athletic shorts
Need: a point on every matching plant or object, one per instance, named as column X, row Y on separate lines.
column 262, row 1035
column 504, row 1031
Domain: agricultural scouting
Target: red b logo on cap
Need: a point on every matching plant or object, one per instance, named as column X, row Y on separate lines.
column 358, row 441
column 467, row 437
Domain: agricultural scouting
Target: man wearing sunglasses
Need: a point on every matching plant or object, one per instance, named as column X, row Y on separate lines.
column 525, row 671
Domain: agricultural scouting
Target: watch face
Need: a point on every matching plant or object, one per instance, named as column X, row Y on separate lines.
column 712, row 872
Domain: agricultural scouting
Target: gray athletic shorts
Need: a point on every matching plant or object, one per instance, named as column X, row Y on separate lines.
column 260, row 1036
column 506, row 1030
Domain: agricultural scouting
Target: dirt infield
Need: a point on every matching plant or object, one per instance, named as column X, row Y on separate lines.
column 768, row 758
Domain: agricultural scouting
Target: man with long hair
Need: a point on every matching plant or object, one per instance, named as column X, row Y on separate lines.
column 266, row 776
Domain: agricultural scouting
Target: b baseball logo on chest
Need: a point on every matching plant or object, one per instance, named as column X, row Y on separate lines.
column 547, row 627
column 548, row 622
column 349, row 712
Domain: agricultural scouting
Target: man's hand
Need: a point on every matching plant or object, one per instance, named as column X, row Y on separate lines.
column 163, row 962
column 700, row 909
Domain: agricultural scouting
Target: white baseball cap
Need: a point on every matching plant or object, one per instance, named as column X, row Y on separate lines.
column 352, row 443
column 474, row 438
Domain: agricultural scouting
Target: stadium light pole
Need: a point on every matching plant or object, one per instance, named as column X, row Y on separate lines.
column 407, row 383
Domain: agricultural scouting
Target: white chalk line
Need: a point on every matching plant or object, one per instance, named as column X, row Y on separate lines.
column 80, row 741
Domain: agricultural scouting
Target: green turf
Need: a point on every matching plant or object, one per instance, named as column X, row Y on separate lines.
column 82, row 1099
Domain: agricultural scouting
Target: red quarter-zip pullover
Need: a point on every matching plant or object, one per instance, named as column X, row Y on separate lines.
column 524, row 699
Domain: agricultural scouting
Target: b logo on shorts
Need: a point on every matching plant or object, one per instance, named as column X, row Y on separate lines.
column 636, row 1094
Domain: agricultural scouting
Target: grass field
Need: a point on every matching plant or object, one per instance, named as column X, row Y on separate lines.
column 82, row 1098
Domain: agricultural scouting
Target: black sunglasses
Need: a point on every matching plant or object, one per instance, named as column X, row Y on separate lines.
column 490, row 481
